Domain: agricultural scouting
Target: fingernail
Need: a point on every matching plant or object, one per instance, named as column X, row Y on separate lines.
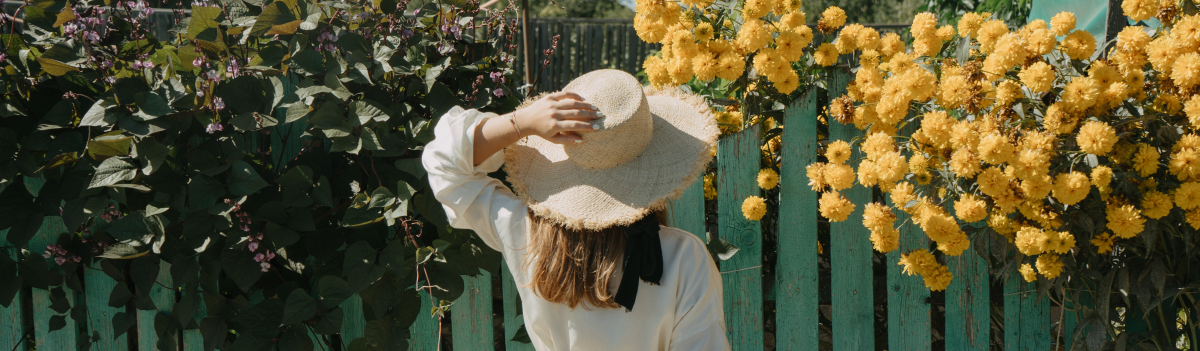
column 595, row 126
column 599, row 113
column 578, row 141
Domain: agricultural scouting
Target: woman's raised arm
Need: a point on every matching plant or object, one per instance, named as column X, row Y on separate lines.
column 555, row 117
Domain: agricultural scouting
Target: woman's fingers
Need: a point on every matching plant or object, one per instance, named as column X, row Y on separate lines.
column 573, row 126
column 568, row 104
column 583, row 115
column 564, row 95
column 565, row 138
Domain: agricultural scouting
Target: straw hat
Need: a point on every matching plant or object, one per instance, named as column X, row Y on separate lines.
column 651, row 145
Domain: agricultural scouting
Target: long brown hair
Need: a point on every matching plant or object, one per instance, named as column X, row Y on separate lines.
column 574, row 266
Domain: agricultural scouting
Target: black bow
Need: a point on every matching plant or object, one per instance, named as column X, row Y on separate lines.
column 643, row 259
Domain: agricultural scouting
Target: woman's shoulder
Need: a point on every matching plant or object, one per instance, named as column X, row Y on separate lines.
column 681, row 244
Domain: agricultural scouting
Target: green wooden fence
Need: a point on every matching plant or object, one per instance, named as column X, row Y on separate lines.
column 794, row 308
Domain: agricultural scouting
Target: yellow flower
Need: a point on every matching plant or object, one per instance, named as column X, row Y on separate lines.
column 1031, row 241
column 1192, row 109
column 1080, row 94
column 1070, row 188
column 697, row 3
column 1007, row 93
column 1125, row 220
column 826, row 55
column 1096, row 138
column 705, row 66
column 918, row 262
column 732, row 65
column 1079, row 45
column 891, row 44
column 1103, row 243
column 793, row 20
column 1186, row 71
column 877, row 144
column 964, row 164
column 939, row 279
column 968, row 25
column 729, row 121
column 834, row 207
column 1038, row 77
column 995, row 149
column 787, row 6
column 955, row 245
column 1028, row 273
column 754, row 208
column 1193, row 218
column 918, row 164
column 868, row 174
column 788, row 83
column 710, row 191
column 1002, row 225
column 1060, row 242
column 791, row 45
column 753, row 35
column 885, row 240
column 1057, row 120
column 1156, row 204
column 1062, row 23
column 767, row 178
column 1184, row 163
column 847, row 38
column 989, row 33
column 1038, row 186
column 831, row 19
column 868, row 39
column 877, row 216
column 1145, row 161
column 901, row 194
column 703, row 31
column 838, row 152
column 1187, row 196
column 656, row 70
column 970, row 209
column 1049, row 266
column 1040, row 41
column 816, row 176
column 1101, row 176
column 1138, row 10
column 1162, row 53
column 838, row 176
column 754, row 9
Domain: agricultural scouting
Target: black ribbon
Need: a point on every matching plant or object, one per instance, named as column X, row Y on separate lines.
column 643, row 259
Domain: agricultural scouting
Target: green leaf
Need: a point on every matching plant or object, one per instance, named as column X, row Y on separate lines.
column 281, row 236
column 322, row 195
column 261, row 320
column 392, row 259
column 204, row 22
column 113, row 143
column 98, row 115
column 62, row 159
column 307, row 62
column 112, row 171
column 300, row 307
column 275, row 14
column 54, row 67
column 151, row 154
column 333, row 291
column 367, row 111
column 151, row 106
column 244, row 94
column 239, row 265
column 243, row 180
column 331, row 322
column 296, row 111
column 382, row 197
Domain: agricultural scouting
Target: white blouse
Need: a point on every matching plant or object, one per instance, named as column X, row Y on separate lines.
column 684, row 312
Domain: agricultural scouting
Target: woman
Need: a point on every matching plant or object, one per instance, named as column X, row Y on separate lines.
column 593, row 167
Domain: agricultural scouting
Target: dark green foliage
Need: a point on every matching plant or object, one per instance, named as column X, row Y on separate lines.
column 268, row 159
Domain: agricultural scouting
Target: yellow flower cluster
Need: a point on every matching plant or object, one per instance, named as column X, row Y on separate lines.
column 695, row 46
column 834, row 175
column 920, row 262
column 767, row 179
column 879, row 219
column 754, row 208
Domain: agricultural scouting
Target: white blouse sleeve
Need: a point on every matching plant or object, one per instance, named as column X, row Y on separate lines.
column 700, row 312
column 472, row 199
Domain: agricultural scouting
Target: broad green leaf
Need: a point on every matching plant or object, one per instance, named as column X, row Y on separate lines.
column 64, row 16
column 382, row 197
column 113, row 143
column 300, row 307
column 288, row 28
column 151, row 154
column 243, row 180
column 54, row 67
column 333, row 291
column 274, row 14
column 62, row 159
column 204, row 22
column 281, row 236
column 367, row 110
column 151, row 106
column 112, row 171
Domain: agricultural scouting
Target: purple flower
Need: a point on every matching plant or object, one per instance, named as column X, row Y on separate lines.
column 110, row 79
column 445, row 48
column 259, row 257
column 3, row 57
column 106, row 64
column 200, row 93
column 417, row 11
column 148, row 11
column 457, row 31
column 270, row 256
column 218, row 103
column 499, row 92
column 253, row 246
column 406, row 33
column 213, row 128
column 47, row 254
column 59, row 260
column 329, row 47
column 147, row 64
column 497, row 77
column 265, row 266
column 198, row 61
column 91, row 36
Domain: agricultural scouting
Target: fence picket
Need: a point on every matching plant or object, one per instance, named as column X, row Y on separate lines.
column 164, row 300
column 907, row 297
column 100, row 314
column 687, row 212
column 738, row 157
column 513, row 319
column 968, row 305
column 354, row 324
column 12, row 318
column 796, row 294
column 65, row 338
column 425, row 331
column 850, row 251
column 1026, row 316
column 472, row 315
column 193, row 340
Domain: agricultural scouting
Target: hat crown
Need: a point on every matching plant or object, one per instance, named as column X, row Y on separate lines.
column 626, row 128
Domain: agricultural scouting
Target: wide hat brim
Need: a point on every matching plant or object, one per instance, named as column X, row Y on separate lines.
column 557, row 189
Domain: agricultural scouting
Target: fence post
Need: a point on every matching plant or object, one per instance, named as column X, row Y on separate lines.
column 472, row 321
column 968, row 304
column 738, row 157
column 850, row 251
column 100, row 314
column 1026, row 316
column 425, row 332
column 907, row 297
column 513, row 319
column 12, row 318
column 687, row 212
column 796, row 277
column 65, row 338
column 163, row 299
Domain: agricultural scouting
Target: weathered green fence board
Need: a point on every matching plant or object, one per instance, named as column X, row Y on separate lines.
column 472, row 314
column 44, row 339
column 192, row 338
column 796, row 269
column 353, row 321
column 1026, row 319
column 737, row 169
column 687, row 212
column 513, row 319
column 424, row 332
column 850, row 251
column 12, row 318
column 100, row 314
column 968, row 306
column 907, row 297
column 164, row 301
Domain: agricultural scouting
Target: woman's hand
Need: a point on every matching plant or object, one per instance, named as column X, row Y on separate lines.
column 556, row 117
